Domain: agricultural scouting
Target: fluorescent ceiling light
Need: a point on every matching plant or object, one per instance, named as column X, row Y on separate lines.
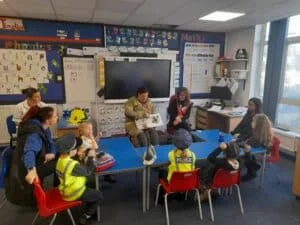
column 221, row 16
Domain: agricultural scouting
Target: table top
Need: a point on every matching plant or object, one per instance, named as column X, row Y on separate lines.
column 123, row 152
column 129, row 158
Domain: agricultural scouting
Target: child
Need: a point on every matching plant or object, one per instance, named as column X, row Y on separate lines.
column 85, row 131
column 180, row 159
column 229, row 162
column 262, row 136
column 73, row 176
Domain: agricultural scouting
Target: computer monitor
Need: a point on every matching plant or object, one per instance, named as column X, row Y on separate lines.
column 222, row 93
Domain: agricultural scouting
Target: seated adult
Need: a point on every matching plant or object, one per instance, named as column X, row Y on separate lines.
column 34, row 156
column 138, row 107
column 179, row 111
column 33, row 98
column 243, row 131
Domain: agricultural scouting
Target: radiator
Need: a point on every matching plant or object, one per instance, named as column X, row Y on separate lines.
column 5, row 111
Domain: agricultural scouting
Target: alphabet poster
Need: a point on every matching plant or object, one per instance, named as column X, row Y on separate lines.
column 20, row 69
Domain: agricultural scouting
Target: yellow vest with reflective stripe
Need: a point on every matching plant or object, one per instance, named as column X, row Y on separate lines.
column 179, row 163
column 71, row 188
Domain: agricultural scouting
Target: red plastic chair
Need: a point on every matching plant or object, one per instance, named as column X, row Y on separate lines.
column 225, row 179
column 50, row 203
column 274, row 156
column 180, row 182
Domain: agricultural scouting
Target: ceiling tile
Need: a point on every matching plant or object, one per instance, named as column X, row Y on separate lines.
column 78, row 4
column 109, row 17
column 194, row 10
column 116, row 5
column 71, row 12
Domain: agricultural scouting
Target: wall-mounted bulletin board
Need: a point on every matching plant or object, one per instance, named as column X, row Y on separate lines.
column 31, row 53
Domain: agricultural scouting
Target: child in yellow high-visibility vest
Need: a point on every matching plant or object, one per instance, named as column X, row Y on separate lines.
column 73, row 176
column 181, row 158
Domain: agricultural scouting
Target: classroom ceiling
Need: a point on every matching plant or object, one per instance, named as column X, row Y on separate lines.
column 182, row 13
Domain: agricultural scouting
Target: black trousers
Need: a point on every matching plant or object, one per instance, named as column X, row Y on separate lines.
column 46, row 169
column 151, row 133
column 91, row 199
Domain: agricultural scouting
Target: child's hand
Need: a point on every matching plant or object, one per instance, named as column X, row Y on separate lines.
column 223, row 146
column 92, row 153
column 247, row 148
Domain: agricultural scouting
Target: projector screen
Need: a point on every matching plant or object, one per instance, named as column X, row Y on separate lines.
column 123, row 78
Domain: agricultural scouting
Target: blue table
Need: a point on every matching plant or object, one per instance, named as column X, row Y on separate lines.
column 126, row 160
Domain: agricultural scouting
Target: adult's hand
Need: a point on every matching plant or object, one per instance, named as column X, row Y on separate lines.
column 49, row 157
column 31, row 175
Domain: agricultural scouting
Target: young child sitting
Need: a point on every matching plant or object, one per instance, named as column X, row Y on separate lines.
column 180, row 159
column 229, row 162
column 89, row 143
column 73, row 176
column 262, row 136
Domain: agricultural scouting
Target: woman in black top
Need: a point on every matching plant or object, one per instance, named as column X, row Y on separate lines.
column 179, row 111
column 244, row 130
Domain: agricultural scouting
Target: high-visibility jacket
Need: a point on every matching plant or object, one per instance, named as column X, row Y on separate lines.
column 71, row 187
column 181, row 160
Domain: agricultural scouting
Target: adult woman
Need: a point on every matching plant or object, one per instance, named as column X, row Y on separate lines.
column 34, row 154
column 33, row 98
column 138, row 107
column 179, row 110
column 244, row 130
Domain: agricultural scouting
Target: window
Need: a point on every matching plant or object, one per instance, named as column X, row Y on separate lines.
column 262, row 58
column 294, row 30
column 288, row 110
column 263, row 71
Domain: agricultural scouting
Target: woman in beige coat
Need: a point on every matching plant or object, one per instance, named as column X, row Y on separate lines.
column 138, row 107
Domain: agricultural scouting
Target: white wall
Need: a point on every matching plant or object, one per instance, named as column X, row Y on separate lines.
column 243, row 38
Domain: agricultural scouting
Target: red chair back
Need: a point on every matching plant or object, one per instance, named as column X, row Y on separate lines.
column 41, row 198
column 223, row 178
column 184, row 181
column 275, row 156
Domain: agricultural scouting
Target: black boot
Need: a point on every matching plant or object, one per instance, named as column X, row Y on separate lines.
column 249, row 176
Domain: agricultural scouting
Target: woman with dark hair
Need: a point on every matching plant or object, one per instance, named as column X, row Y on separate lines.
column 33, row 98
column 138, row 107
column 179, row 110
column 34, row 154
column 244, row 130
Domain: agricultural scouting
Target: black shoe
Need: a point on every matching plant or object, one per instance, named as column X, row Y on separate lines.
column 248, row 177
column 83, row 220
column 109, row 179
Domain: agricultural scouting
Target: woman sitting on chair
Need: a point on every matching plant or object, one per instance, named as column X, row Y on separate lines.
column 179, row 111
column 138, row 107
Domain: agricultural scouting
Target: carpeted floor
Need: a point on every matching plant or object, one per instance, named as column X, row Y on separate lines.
column 272, row 205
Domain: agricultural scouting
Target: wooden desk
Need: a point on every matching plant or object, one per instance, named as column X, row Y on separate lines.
column 216, row 120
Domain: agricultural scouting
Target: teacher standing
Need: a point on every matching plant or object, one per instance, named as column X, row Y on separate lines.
column 33, row 98
column 138, row 107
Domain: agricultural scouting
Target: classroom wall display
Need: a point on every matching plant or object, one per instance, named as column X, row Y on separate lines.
column 20, row 69
column 51, row 38
column 215, row 38
column 198, row 66
column 80, row 79
column 141, row 37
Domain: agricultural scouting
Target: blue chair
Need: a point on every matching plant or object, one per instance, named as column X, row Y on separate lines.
column 12, row 130
column 5, row 156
